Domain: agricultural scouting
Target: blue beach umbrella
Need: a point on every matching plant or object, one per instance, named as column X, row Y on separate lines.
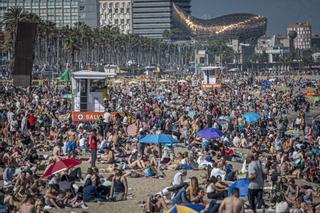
column 210, row 133
column 158, row 139
column 242, row 185
column 267, row 83
column 251, row 117
column 160, row 97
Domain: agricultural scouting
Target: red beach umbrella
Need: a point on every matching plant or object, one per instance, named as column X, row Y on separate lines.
column 61, row 166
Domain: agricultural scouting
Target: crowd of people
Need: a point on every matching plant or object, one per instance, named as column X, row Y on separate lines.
column 37, row 132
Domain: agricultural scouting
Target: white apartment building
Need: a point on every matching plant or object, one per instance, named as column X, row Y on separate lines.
column 303, row 39
column 116, row 13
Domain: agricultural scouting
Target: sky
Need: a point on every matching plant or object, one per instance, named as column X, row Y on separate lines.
column 279, row 12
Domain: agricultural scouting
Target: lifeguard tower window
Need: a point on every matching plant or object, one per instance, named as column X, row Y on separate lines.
column 83, row 95
column 97, row 85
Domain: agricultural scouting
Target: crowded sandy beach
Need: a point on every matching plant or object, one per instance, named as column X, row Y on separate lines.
column 164, row 145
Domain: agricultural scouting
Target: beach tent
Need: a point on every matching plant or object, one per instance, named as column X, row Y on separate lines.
column 242, row 185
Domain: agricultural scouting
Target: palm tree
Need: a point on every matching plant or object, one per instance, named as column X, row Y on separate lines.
column 45, row 39
column 10, row 22
column 72, row 45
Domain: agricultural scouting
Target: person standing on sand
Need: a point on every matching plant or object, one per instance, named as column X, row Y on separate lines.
column 255, row 176
column 93, row 147
column 232, row 204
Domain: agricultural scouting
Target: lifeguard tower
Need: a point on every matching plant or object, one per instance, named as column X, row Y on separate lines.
column 87, row 91
column 152, row 71
column 211, row 77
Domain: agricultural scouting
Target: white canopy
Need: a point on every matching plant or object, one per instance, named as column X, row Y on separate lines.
column 86, row 74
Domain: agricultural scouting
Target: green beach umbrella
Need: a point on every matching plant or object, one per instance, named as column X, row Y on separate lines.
column 65, row 76
column 316, row 98
column 67, row 96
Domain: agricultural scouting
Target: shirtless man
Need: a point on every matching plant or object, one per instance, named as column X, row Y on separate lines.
column 57, row 152
column 232, row 204
column 27, row 205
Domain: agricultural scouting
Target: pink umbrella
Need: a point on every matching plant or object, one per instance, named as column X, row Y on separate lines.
column 61, row 166
column 132, row 130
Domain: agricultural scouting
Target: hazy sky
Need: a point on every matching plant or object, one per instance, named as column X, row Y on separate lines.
column 278, row 12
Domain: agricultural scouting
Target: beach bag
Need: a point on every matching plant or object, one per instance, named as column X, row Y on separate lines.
column 149, row 172
column 186, row 166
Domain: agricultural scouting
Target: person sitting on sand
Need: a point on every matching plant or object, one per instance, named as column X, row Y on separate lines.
column 89, row 191
column 155, row 204
column 51, row 197
column 292, row 191
column 108, row 157
column 135, row 162
column 194, row 192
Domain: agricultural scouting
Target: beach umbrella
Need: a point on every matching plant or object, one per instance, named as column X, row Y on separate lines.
column 316, row 98
column 182, row 81
column 294, row 133
column 133, row 82
column 267, row 83
column 310, row 93
column 223, row 120
column 132, row 130
column 60, row 166
column 160, row 97
column 186, row 208
column 191, row 114
column 158, row 139
column 65, row 76
column 242, row 185
column 164, row 81
column 251, row 117
column 118, row 82
column 210, row 133
column 67, row 96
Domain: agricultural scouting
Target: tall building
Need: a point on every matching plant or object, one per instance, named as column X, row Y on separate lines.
column 116, row 13
column 303, row 39
column 152, row 17
column 315, row 41
column 61, row 12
